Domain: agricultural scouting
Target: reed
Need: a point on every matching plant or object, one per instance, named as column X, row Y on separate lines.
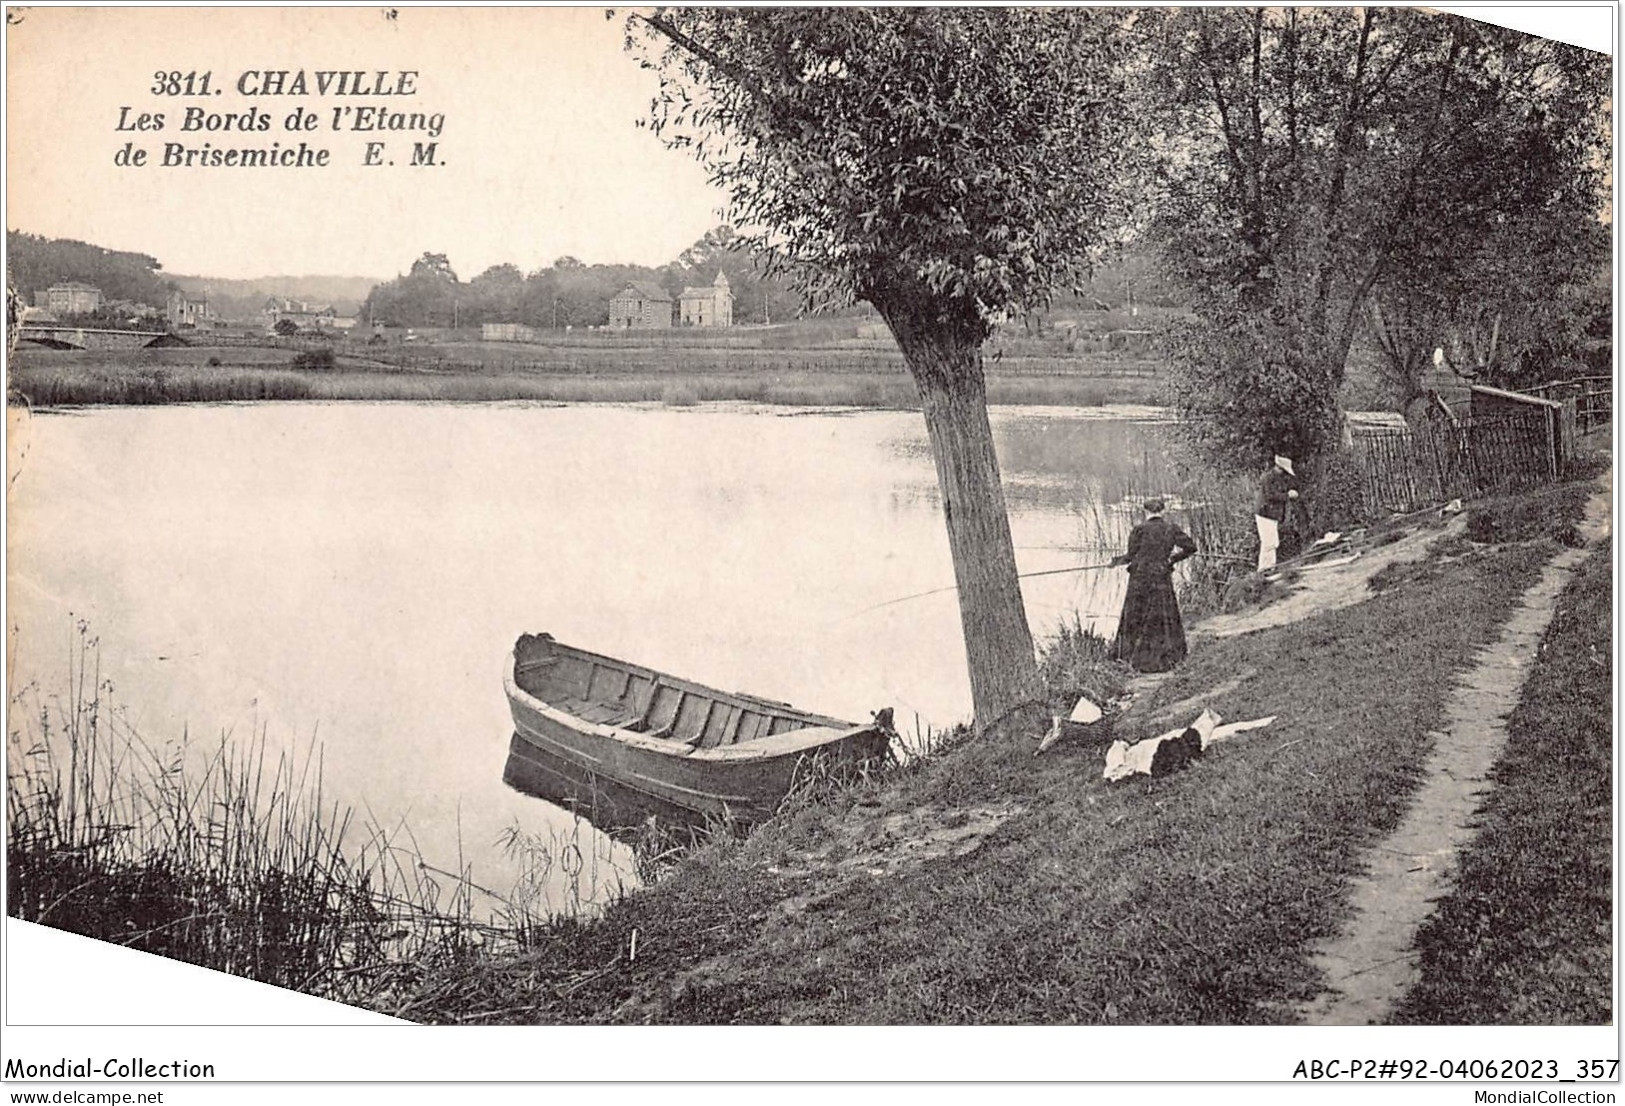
column 55, row 387
column 230, row 856
column 821, row 782
column 1076, row 661
column 920, row 740
column 1073, row 660
column 1216, row 510
column 220, row 863
column 308, row 376
column 680, row 395
column 559, row 874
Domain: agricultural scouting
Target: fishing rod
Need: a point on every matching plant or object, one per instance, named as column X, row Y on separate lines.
column 1315, row 549
column 955, row 587
column 1031, row 575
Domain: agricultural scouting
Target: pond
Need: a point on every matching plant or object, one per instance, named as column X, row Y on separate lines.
column 352, row 575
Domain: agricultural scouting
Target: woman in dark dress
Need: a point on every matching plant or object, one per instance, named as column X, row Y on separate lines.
column 1150, row 635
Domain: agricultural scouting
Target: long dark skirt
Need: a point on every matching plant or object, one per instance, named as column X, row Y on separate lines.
column 1150, row 635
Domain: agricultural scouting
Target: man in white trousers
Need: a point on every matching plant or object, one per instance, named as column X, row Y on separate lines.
column 1280, row 488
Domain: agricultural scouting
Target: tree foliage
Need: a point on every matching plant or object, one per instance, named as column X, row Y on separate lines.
column 434, row 266
column 1250, row 384
column 1528, row 303
column 1317, row 154
column 496, row 295
column 967, row 158
column 34, row 263
column 758, row 297
column 951, row 166
column 428, row 295
column 571, row 292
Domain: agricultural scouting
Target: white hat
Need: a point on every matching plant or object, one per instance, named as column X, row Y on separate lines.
column 1286, row 463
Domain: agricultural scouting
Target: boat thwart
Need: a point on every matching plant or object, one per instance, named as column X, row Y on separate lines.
column 619, row 742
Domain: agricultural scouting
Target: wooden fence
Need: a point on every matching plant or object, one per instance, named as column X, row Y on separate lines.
column 1592, row 396
column 1403, row 471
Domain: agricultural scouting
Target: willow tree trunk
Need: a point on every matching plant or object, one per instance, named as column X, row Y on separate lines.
column 947, row 370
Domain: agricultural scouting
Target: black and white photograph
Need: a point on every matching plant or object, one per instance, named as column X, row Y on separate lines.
column 1018, row 544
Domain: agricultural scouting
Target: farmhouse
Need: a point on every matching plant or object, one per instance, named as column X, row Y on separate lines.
column 711, row 305
column 69, row 298
column 182, row 312
column 303, row 315
column 641, row 305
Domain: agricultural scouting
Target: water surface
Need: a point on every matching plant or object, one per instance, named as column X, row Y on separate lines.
column 356, row 572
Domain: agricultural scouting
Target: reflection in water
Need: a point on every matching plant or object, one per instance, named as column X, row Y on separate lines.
column 1055, row 459
column 359, row 571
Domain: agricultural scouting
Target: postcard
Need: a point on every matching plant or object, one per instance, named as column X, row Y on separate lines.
column 1083, row 531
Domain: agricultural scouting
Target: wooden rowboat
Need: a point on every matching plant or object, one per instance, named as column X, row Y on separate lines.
column 619, row 743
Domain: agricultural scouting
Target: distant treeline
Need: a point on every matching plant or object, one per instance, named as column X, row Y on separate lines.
column 572, row 293
column 245, row 299
column 34, row 263
column 567, row 293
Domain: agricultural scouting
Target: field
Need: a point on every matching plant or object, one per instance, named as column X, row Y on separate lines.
column 677, row 369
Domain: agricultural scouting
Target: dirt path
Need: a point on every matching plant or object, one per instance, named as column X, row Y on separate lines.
column 1315, row 591
column 1319, row 590
column 1372, row 963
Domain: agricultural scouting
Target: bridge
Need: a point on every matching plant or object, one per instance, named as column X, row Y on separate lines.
column 84, row 337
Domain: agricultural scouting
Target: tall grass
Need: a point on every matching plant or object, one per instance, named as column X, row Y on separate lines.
column 230, row 856
column 58, row 382
column 1216, row 510
column 223, row 864
column 143, row 387
column 1077, row 661
column 679, row 395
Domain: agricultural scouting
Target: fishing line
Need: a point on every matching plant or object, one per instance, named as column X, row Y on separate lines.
column 1032, row 575
column 955, row 587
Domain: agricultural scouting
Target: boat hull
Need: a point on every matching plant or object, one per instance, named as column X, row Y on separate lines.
column 618, row 778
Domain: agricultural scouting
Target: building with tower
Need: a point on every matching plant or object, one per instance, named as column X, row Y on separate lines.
column 709, row 305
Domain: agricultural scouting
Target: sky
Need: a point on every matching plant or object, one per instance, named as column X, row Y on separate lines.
column 540, row 152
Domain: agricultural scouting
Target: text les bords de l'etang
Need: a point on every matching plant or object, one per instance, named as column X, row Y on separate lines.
column 342, row 117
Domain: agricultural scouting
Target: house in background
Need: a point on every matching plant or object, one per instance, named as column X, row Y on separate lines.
column 711, row 305
column 69, row 298
column 641, row 305
column 182, row 312
column 303, row 315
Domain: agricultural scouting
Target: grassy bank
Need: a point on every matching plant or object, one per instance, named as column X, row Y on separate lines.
column 987, row 886
column 1527, row 935
column 226, row 856
column 64, row 378
column 977, row 884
